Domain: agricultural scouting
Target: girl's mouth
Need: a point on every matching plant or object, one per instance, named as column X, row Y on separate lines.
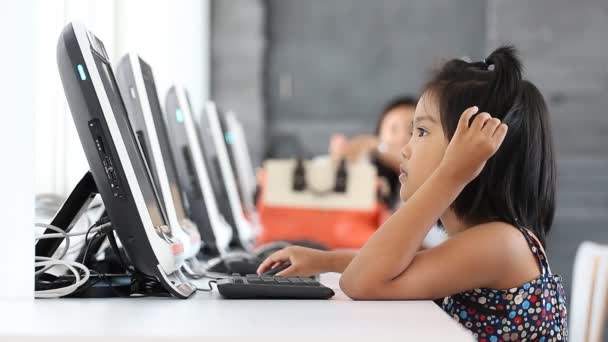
column 403, row 174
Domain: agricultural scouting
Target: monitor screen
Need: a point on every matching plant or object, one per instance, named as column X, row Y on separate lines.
column 163, row 139
column 135, row 154
column 228, row 140
column 214, row 170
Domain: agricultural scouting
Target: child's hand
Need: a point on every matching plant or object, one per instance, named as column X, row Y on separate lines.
column 304, row 261
column 337, row 146
column 471, row 146
column 352, row 149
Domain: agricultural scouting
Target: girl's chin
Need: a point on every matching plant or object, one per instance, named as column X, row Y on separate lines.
column 403, row 193
column 406, row 191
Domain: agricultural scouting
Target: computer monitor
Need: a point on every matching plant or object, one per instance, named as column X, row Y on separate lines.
column 218, row 181
column 217, row 157
column 136, row 82
column 193, row 175
column 117, row 167
column 237, row 143
column 227, row 140
column 242, row 169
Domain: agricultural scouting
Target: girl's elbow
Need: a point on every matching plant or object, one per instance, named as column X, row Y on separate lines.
column 357, row 289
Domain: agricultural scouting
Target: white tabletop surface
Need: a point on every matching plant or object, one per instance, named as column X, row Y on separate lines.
column 206, row 316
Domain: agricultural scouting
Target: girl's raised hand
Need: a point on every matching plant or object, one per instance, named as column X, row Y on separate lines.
column 472, row 146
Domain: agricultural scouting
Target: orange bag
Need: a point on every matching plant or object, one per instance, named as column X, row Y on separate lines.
column 334, row 204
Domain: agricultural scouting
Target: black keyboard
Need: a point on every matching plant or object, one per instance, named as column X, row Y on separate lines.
column 272, row 287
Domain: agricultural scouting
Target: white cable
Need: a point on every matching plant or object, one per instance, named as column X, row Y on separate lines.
column 62, row 234
column 59, row 235
column 59, row 292
column 63, row 291
column 66, row 247
column 48, row 263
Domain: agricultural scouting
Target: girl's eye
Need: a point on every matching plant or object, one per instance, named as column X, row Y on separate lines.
column 421, row 132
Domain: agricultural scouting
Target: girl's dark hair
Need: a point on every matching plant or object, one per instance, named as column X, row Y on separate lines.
column 396, row 102
column 517, row 185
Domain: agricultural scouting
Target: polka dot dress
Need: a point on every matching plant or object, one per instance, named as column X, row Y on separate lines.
column 535, row 311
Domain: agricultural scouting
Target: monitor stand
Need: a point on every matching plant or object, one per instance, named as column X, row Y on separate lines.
column 68, row 215
column 101, row 284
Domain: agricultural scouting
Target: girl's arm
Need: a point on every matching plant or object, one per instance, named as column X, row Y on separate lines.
column 337, row 261
column 307, row 261
column 388, row 266
column 391, row 250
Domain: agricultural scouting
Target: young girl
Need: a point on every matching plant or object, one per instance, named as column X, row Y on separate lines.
column 481, row 161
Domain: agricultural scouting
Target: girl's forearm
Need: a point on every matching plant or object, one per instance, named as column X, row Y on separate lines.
column 337, row 261
column 392, row 248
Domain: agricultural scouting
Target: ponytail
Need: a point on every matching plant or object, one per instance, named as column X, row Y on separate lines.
column 506, row 76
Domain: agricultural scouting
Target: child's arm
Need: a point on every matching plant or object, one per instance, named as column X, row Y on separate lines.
column 391, row 250
column 337, row 261
column 485, row 256
column 308, row 261
column 388, row 266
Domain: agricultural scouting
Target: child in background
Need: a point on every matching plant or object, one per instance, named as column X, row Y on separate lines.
column 393, row 131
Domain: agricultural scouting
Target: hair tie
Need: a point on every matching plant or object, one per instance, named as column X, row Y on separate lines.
column 489, row 65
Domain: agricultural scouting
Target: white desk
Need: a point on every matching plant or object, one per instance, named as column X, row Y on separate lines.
column 207, row 316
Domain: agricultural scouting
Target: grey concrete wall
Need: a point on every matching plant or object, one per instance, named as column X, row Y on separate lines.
column 331, row 65
column 237, row 51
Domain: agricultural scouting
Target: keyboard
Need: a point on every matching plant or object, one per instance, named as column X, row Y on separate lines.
column 272, row 287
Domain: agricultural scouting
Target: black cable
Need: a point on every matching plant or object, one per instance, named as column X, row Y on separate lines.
column 48, row 281
column 88, row 285
column 100, row 222
column 86, row 237
column 209, row 285
column 114, row 245
column 86, row 250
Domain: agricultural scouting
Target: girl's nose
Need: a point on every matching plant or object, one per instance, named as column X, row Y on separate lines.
column 406, row 151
